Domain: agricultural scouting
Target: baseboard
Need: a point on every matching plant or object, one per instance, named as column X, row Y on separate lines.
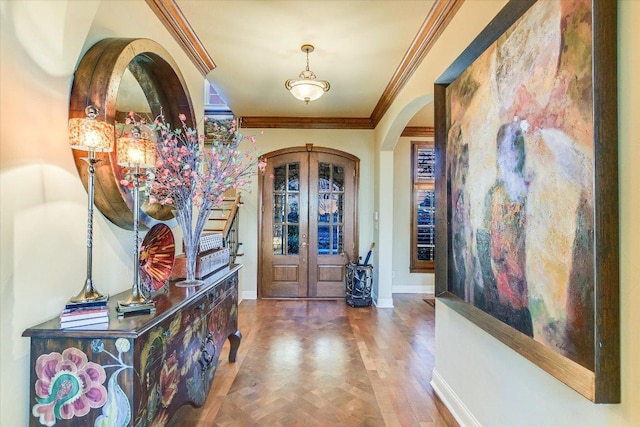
column 248, row 295
column 380, row 303
column 383, row 302
column 408, row 289
column 450, row 399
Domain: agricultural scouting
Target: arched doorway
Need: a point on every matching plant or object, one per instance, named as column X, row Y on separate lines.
column 308, row 222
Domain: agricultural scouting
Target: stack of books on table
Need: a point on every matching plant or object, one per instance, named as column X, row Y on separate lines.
column 131, row 310
column 85, row 315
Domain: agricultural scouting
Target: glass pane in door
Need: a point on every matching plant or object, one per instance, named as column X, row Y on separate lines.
column 338, row 236
column 338, row 200
column 292, row 209
column 324, row 176
column 323, row 239
column 278, row 232
column 286, row 200
column 292, row 239
column 278, row 208
column 279, row 177
column 294, row 176
column 330, row 209
column 338, row 178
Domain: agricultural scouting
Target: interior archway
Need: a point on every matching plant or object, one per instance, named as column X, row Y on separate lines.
column 385, row 238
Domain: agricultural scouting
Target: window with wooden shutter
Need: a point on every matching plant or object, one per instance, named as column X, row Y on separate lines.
column 423, row 208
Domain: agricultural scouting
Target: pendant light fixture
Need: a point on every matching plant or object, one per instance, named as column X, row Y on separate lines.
column 307, row 88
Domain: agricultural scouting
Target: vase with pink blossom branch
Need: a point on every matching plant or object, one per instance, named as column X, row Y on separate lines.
column 193, row 176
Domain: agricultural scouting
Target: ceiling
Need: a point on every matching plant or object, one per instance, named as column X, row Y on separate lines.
column 361, row 47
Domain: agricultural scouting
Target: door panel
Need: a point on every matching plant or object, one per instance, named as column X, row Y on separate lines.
column 330, row 223
column 284, row 220
column 308, row 223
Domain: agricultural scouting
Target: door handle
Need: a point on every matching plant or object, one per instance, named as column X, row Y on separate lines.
column 303, row 244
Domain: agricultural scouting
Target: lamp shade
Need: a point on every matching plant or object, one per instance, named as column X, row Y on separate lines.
column 132, row 152
column 89, row 134
column 307, row 90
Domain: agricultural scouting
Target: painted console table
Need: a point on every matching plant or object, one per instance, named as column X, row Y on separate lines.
column 139, row 370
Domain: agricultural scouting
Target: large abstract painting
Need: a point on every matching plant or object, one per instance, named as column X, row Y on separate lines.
column 527, row 188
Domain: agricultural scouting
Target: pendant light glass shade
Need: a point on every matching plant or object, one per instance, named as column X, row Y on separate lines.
column 307, row 88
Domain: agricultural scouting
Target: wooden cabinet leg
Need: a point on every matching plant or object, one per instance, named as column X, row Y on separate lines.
column 234, row 340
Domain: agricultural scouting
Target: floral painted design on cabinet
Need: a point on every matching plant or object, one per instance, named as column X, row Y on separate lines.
column 69, row 385
column 117, row 410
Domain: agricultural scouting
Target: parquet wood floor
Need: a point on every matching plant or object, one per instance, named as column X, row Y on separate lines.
column 323, row 363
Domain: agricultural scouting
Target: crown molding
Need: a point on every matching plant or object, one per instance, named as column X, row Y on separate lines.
column 418, row 131
column 307, row 122
column 175, row 22
column 440, row 15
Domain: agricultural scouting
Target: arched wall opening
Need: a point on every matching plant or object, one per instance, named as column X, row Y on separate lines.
column 386, row 199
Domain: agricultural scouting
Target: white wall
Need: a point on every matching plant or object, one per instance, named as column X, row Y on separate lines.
column 43, row 205
column 403, row 280
column 494, row 386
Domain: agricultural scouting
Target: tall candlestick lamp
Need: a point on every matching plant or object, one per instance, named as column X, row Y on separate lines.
column 91, row 135
column 137, row 153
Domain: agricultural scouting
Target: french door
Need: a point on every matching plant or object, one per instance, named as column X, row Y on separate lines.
column 308, row 222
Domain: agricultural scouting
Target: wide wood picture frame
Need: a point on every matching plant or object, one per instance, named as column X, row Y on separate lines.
column 527, row 188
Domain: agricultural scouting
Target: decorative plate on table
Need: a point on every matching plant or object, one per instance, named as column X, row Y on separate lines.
column 157, row 253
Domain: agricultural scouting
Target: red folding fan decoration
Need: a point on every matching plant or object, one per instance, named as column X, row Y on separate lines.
column 157, row 253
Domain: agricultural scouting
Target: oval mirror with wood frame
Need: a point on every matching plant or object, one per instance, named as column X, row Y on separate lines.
column 120, row 75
